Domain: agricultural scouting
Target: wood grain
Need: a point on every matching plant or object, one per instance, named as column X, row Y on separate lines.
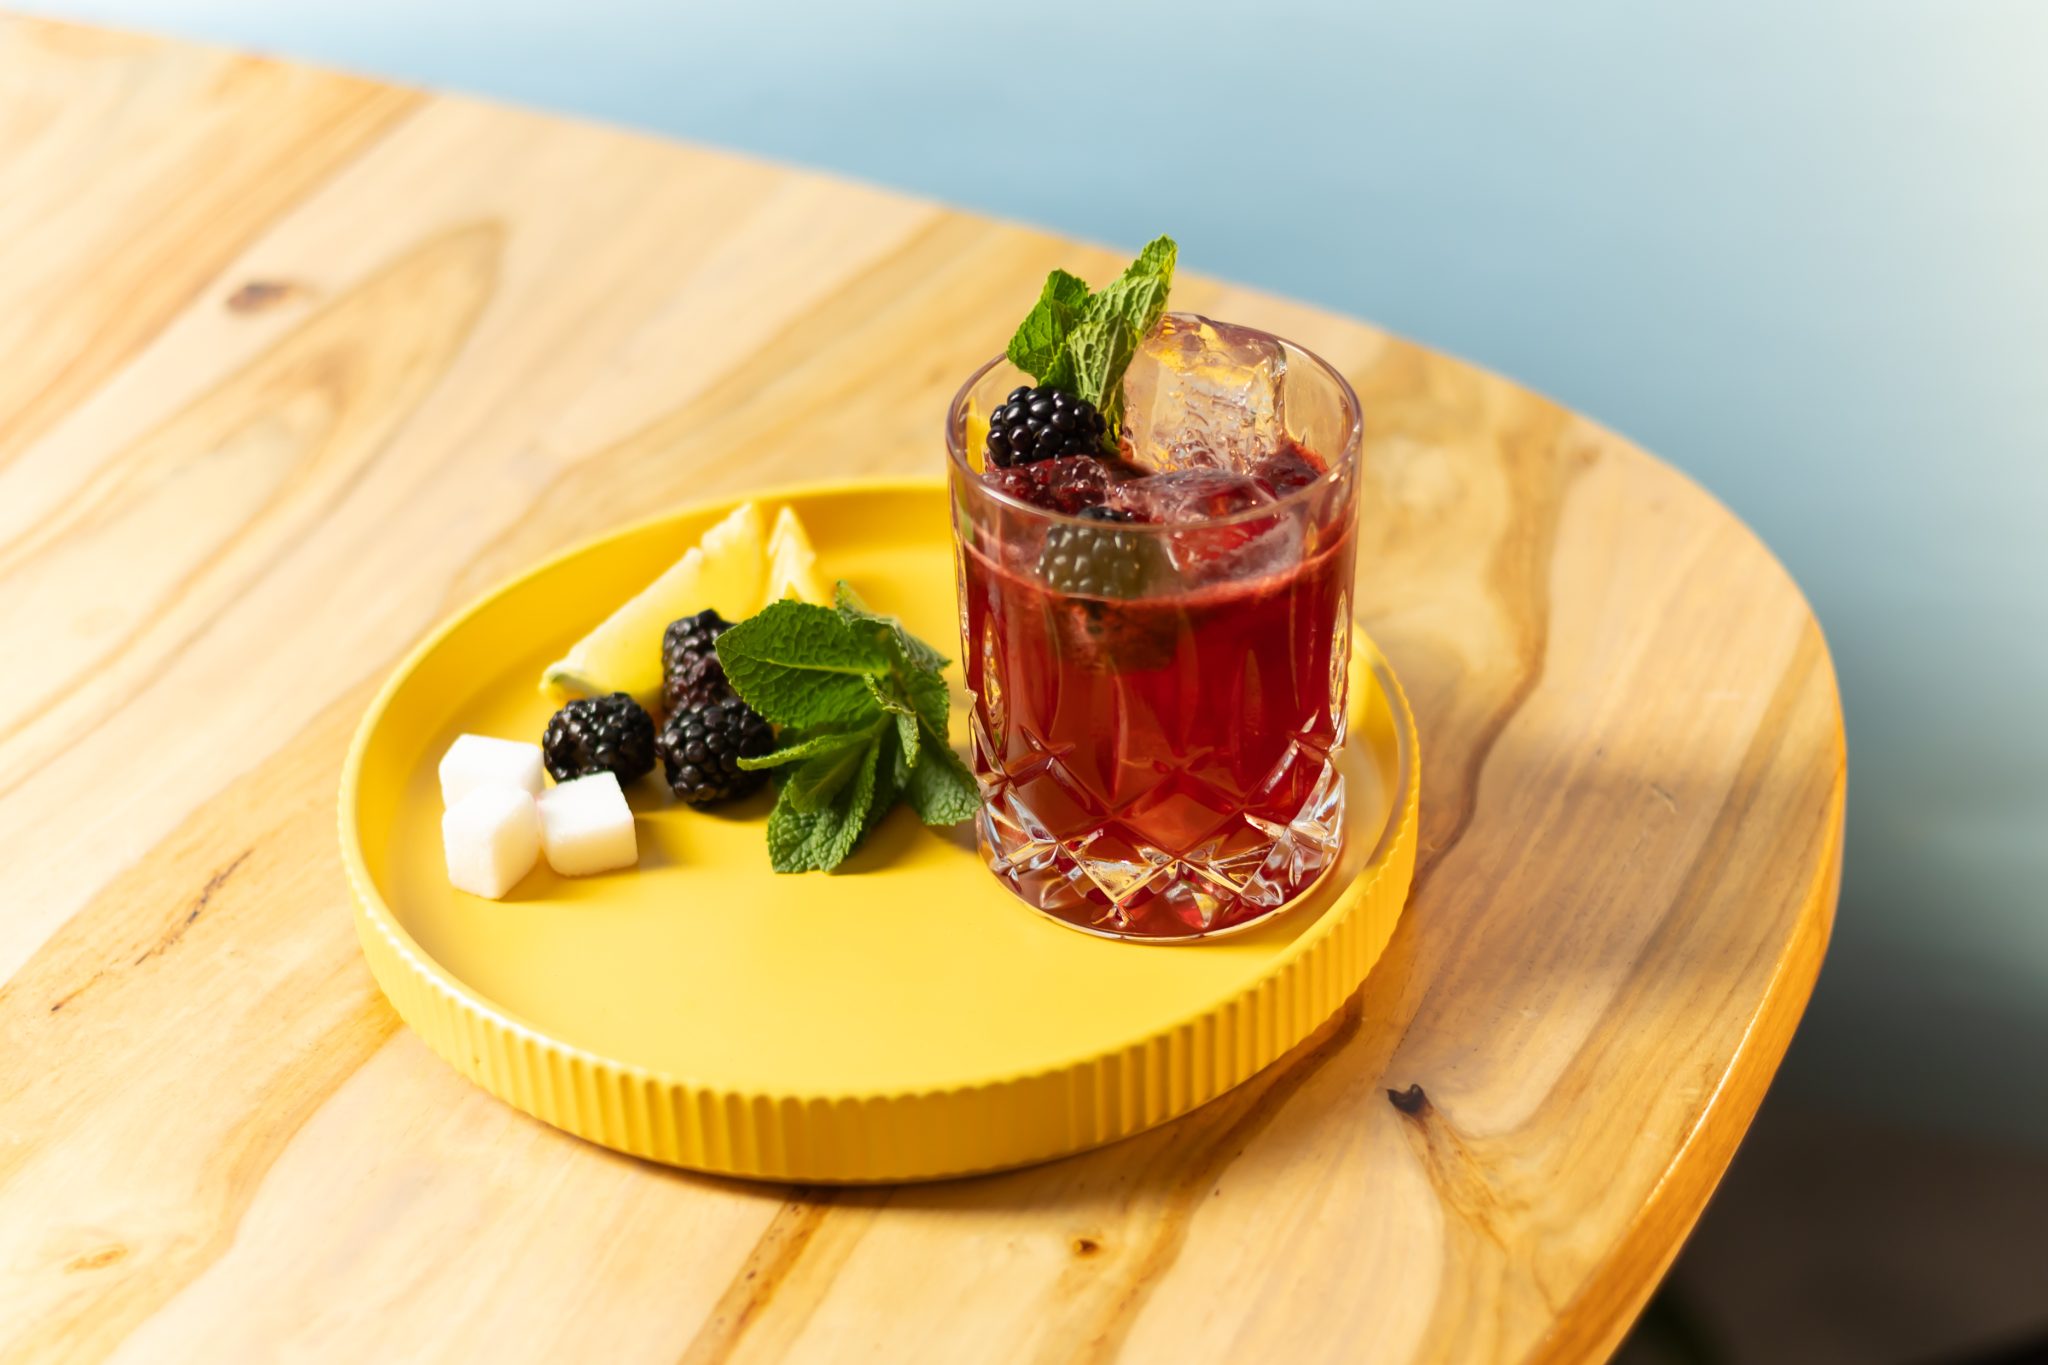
column 291, row 364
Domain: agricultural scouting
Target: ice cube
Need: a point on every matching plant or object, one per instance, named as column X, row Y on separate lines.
column 1270, row 545
column 1202, row 394
column 1188, row 495
column 586, row 826
column 1192, row 500
column 491, row 839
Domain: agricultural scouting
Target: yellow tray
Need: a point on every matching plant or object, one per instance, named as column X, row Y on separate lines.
column 903, row 1018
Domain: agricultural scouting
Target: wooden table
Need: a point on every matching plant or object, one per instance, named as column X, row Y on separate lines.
column 292, row 364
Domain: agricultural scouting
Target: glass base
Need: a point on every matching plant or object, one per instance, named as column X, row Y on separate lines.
column 1108, row 881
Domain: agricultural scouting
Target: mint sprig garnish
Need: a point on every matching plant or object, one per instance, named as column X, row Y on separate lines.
column 801, row 665
column 863, row 709
column 1082, row 342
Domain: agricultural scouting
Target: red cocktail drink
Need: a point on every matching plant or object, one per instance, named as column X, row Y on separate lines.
column 1159, row 674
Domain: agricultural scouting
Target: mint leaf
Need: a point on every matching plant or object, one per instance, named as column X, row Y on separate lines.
column 1098, row 352
column 906, row 736
column 1138, row 296
column 799, row 664
column 931, row 699
column 856, row 613
column 893, row 694
column 819, row 840
column 810, row 746
column 1083, row 343
column 941, row 789
column 1137, row 302
column 1039, row 336
column 916, row 664
column 800, row 841
column 864, row 710
column 1114, row 321
column 892, row 772
column 1061, row 373
column 1155, row 259
column 850, row 604
column 817, row 780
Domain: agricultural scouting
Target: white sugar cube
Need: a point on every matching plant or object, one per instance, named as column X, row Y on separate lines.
column 474, row 761
column 586, row 826
column 492, row 839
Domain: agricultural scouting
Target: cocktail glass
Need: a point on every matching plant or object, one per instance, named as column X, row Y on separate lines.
column 1159, row 756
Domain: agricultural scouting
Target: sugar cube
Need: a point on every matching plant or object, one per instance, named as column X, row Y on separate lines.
column 474, row 761
column 586, row 826
column 491, row 838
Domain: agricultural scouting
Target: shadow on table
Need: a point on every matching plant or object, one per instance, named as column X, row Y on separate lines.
column 1837, row 1240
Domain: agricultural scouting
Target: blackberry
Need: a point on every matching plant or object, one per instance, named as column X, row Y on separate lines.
column 599, row 734
column 701, row 748
column 690, row 671
column 1099, row 561
column 1042, row 424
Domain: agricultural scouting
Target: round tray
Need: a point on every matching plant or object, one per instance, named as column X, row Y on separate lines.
column 902, row 1018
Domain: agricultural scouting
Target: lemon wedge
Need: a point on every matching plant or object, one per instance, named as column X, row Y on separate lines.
column 976, row 435
column 792, row 563
column 727, row 570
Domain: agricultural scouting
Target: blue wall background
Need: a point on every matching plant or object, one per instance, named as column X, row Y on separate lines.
column 1799, row 249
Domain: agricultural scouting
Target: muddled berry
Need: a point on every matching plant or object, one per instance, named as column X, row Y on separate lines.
column 1286, row 470
column 1070, row 484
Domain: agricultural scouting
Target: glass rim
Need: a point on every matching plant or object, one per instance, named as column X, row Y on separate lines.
column 1343, row 465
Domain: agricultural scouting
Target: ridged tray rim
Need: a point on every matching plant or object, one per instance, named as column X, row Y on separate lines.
column 1392, row 853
